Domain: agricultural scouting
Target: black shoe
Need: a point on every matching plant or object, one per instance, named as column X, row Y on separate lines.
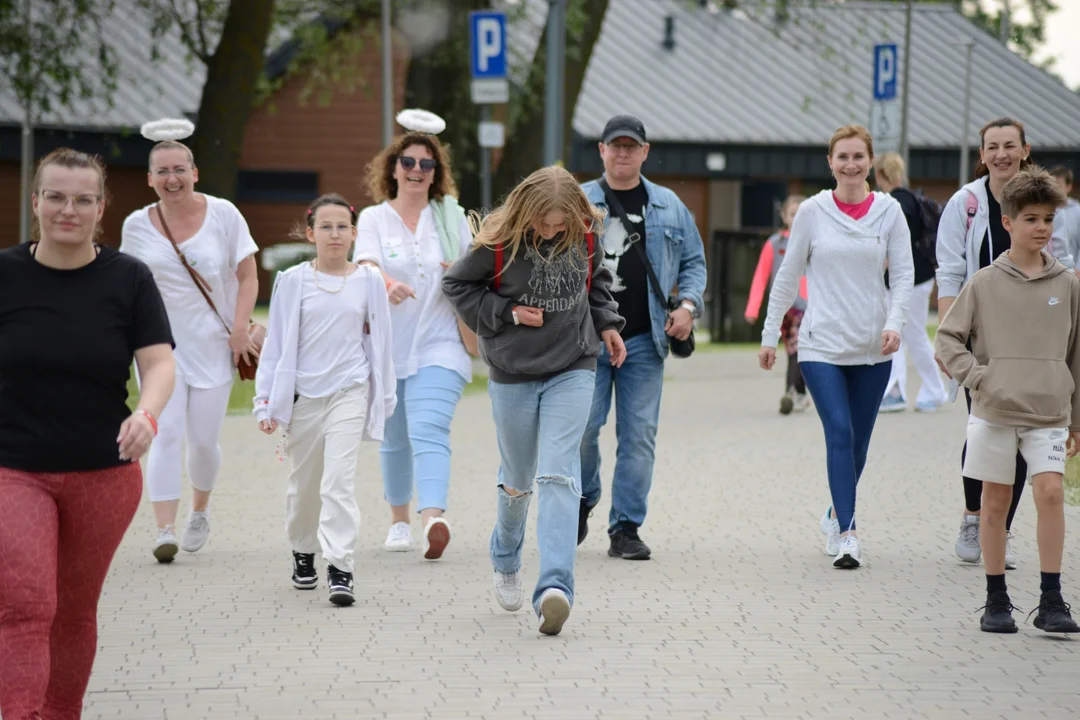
column 583, row 520
column 304, row 576
column 626, row 544
column 998, row 616
column 1054, row 615
column 341, row 587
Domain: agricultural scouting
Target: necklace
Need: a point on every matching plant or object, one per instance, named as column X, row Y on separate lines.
column 315, row 269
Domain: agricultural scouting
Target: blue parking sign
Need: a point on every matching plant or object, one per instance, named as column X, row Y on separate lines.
column 487, row 44
column 885, row 71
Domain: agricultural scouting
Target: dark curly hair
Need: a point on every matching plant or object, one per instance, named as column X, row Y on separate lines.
column 381, row 184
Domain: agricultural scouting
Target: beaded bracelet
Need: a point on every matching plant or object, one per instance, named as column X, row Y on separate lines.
column 153, row 422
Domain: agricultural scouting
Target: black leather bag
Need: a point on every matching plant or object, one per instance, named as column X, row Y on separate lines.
column 679, row 348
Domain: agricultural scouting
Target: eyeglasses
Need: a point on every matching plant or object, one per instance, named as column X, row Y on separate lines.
column 165, row 172
column 408, row 163
column 60, row 200
column 328, row 228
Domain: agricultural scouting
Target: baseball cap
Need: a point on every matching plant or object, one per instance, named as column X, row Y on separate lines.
column 624, row 126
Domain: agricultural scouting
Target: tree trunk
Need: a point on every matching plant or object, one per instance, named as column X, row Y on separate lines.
column 231, row 78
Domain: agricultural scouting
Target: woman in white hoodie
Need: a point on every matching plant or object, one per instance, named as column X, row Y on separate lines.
column 970, row 237
column 844, row 239
column 326, row 374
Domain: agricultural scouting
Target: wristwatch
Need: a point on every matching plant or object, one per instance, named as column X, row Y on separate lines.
column 688, row 306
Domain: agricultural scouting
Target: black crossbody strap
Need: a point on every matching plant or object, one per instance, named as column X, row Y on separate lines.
column 614, row 204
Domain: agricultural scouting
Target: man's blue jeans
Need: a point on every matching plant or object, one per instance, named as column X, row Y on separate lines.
column 637, row 387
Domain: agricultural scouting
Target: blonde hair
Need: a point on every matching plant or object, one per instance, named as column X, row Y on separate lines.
column 171, row 145
column 72, row 160
column 853, row 131
column 549, row 189
column 890, row 167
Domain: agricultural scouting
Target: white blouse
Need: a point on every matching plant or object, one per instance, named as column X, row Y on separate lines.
column 425, row 328
column 331, row 353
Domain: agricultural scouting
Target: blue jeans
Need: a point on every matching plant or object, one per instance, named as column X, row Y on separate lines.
column 637, row 386
column 539, row 427
column 847, row 398
column 417, row 438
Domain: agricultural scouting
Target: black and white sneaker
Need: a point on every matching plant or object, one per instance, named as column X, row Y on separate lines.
column 341, row 586
column 304, row 576
column 1054, row 614
column 998, row 616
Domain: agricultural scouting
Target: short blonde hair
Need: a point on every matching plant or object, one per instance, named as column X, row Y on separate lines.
column 852, row 131
column 890, row 166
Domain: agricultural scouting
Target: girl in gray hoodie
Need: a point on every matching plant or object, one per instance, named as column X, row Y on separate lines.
column 539, row 299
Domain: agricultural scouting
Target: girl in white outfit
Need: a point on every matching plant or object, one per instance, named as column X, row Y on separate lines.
column 326, row 374
column 214, row 238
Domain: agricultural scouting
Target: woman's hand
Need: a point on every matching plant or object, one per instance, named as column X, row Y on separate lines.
column 268, row 426
column 242, row 345
column 766, row 358
column 398, row 292
column 136, row 434
column 1072, row 444
column 751, row 319
column 890, row 342
column 533, row 317
column 615, row 346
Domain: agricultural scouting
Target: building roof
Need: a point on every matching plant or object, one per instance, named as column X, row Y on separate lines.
column 741, row 78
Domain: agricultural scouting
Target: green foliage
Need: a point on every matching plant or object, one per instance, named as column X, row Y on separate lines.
column 42, row 64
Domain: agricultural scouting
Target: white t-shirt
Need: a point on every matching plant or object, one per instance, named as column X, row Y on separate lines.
column 203, row 357
column 425, row 329
column 330, row 355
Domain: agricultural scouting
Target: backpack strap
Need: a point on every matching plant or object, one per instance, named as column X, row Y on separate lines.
column 972, row 207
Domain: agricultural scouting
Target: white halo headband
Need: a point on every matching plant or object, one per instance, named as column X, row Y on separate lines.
column 167, row 129
column 422, row 121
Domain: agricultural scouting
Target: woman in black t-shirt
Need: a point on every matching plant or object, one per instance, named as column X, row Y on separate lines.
column 73, row 314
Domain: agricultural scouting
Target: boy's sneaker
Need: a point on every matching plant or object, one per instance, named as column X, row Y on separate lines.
column 967, row 540
column 1010, row 556
column 304, row 575
column 926, row 407
column 341, row 586
column 554, row 610
column 998, row 616
column 849, row 556
column 436, row 538
column 508, row 591
column 802, row 402
column 400, row 538
column 196, row 533
column 830, row 527
column 166, row 547
column 892, row 403
column 1054, row 615
column 787, row 403
column 626, row 544
column 584, row 511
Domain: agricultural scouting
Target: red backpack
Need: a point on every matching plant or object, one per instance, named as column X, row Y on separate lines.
column 590, row 241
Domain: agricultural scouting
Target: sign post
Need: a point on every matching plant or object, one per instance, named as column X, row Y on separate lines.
column 885, row 125
column 487, row 50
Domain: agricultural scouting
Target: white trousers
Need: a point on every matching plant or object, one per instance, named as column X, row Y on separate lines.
column 194, row 414
column 320, row 506
column 915, row 341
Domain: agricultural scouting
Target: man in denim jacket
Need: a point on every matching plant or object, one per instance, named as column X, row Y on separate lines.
column 674, row 249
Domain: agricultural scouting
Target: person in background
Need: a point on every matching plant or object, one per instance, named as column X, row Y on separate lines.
column 772, row 255
column 1070, row 213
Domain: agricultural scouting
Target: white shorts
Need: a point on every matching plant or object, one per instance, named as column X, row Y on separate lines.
column 991, row 451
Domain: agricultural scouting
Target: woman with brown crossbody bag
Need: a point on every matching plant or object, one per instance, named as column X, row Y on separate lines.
column 201, row 254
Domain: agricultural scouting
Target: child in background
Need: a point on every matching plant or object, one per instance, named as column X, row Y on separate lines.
column 772, row 255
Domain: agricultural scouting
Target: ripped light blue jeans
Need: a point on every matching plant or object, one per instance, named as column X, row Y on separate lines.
column 539, row 427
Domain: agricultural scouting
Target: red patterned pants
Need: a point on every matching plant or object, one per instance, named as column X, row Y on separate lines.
column 58, row 535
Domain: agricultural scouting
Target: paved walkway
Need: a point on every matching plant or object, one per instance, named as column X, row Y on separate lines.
column 738, row 614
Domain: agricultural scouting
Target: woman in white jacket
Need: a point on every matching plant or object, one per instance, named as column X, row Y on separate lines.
column 843, row 239
column 970, row 236
column 327, row 374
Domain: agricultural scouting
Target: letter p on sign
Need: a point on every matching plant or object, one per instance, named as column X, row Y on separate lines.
column 488, row 42
column 885, row 72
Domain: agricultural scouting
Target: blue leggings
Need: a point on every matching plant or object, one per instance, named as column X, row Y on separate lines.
column 416, row 441
column 847, row 398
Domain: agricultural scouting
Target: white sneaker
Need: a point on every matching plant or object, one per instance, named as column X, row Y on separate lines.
column 508, row 591
column 830, row 526
column 554, row 610
column 967, row 540
column 400, row 537
column 165, row 547
column 1010, row 556
column 802, row 402
column 436, row 538
column 849, row 555
column 196, row 533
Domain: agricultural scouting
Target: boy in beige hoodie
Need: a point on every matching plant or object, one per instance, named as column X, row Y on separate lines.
column 1012, row 338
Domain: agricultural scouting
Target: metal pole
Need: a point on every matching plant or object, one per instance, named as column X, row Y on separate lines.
column 964, row 149
column 904, row 150
column 1004, row 22
column 387, row 76
column 556, row 29
column 26, row 170
column 485, row 164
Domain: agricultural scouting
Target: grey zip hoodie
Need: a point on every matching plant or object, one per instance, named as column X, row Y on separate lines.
column 570, row 336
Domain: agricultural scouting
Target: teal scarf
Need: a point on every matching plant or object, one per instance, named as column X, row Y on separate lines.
column 448, row 216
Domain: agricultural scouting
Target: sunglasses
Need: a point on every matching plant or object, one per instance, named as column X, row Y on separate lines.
column 408, row 163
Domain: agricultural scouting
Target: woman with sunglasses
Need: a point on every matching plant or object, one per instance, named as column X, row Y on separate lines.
column 413, row 235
